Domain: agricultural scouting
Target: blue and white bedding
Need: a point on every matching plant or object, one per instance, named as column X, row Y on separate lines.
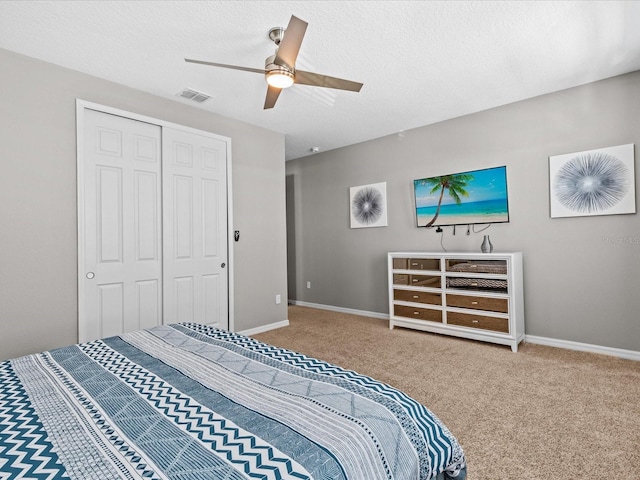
column 187, row 401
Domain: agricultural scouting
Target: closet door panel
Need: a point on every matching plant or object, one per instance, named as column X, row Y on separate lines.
column 111, row 309
column 109, row 214
column 195, row 235
column 183, row 301
column 211, row 291
column 152, row 228
column 147, row 210
column 119, row 205
column 149, row 303
column 210, row 219
column 182, row 214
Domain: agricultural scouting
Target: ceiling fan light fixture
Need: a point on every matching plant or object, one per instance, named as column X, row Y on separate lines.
column 280, row 69
column 279, row 78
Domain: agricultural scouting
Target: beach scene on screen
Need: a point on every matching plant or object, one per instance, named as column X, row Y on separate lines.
column 478, row 196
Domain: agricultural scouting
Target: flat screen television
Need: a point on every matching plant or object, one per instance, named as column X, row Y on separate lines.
column 466, row 198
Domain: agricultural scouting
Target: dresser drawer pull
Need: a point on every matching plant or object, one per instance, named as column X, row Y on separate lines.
column 475, row 321
column 474, row 303
column 416, row 296
column 416, row 313
column 474, row 284
column 415, row 264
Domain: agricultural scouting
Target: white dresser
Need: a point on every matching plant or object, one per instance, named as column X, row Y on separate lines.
column 472, row 295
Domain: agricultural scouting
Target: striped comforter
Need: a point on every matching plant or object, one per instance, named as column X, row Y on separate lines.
column 187, row 401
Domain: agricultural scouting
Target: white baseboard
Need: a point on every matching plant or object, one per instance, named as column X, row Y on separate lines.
column 363, row 313
column 264, row 328
column 583, row 347
column 550, row 342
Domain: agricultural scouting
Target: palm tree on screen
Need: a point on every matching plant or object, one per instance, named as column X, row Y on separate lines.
column 453, row 184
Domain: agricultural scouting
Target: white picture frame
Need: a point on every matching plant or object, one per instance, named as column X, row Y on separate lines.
column 368, row 205
column 593, row 182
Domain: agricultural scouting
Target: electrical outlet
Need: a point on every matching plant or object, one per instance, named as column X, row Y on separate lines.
column 308, row 284
column 278, row 299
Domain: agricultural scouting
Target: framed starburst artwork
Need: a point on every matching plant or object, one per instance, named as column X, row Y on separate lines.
column 593, row 182
column 368, row 205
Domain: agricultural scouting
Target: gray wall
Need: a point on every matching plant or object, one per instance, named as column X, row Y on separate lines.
column 38, row 239
column 582, row 279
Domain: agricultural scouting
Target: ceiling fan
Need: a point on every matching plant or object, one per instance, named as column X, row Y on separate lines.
column 279, row 69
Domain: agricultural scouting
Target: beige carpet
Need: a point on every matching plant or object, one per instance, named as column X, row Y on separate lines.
column 541, row 413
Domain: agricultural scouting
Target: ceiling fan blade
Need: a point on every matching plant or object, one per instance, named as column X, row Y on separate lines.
column 272, row 95
column 317, row 80
column 223, row 65
column 291, row 41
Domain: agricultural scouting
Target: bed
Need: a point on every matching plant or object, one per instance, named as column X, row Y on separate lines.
column 188, row 401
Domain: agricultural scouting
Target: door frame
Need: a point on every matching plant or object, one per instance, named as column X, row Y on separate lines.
column 81, row 106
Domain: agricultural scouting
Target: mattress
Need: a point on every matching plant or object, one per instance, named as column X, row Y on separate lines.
column 188, row 401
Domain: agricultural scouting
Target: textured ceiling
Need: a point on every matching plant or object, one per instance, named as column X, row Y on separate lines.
column 421, row 62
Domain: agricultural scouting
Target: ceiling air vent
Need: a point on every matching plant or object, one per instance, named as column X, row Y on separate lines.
column 194, row 95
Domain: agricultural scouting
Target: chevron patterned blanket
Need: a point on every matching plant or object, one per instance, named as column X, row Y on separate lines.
column 187, row 401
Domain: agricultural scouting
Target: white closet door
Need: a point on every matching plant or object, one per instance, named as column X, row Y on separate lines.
column 121, row 208
column 194, row 228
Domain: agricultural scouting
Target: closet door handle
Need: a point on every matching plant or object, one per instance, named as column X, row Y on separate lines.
column 222, row 265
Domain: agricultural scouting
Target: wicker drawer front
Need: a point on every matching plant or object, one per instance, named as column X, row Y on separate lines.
column 495, row 285
column 479, row 303
column 492, row 266
column 417, row 313
column 418, row 297
column 478, row 321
